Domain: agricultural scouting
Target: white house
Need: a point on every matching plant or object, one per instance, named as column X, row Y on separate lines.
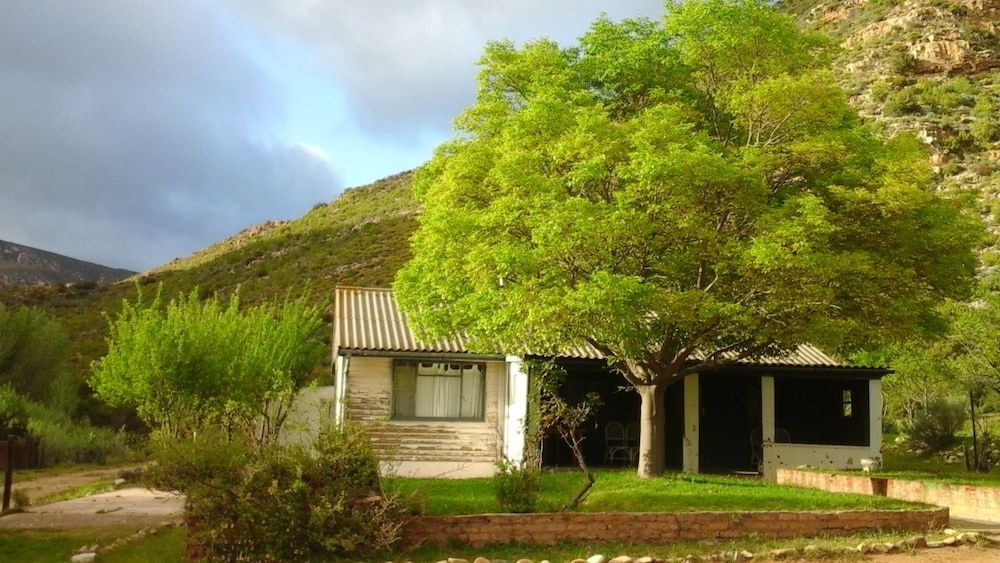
column 435, row 409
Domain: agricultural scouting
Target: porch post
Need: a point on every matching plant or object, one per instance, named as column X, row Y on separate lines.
column 767, row 411
column 767, row 461
column 516, row 411
column 875, row 417
column 692, row 414
column 340, row 367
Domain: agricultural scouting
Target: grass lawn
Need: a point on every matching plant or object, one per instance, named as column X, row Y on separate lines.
column 43, row 546
column 622, row 491
column 934, row 469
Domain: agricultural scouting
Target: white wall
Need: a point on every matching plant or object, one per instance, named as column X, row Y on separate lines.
column 818, row 455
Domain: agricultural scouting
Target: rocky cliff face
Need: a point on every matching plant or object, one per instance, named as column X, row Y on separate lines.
column 23, row 265
column 929, row 67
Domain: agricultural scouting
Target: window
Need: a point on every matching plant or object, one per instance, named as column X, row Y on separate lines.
column 848, row 405
column 443, row 390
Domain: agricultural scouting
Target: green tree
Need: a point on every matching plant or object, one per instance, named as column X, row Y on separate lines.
column 192, row 363
column 680, row 195
column 33, row 354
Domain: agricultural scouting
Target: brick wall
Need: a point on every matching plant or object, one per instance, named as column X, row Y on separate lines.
column 548, row 529
column 964, row 501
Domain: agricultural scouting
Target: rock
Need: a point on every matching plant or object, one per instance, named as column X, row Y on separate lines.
column 597, row 558
column 481, row 560
column 83, row 557
column 578, row 560
column 782, row 553
column 646, row 559
column 621, row 559
column 879, row 548
column 544, row 561
column 810, row 550
column 950, row 541
column 119, row 482
column 968, row 537
column 457, row 560
column 864, row 548
column 950, row 531
column 916, row 542
column 744, row 555
column 935, row 544
column 890, row 547
column 524, row 561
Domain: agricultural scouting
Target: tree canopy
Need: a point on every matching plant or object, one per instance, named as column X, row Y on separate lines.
column 33, row 353
column 679, row 194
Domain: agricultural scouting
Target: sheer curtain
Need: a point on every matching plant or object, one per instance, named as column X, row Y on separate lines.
column 472, row 391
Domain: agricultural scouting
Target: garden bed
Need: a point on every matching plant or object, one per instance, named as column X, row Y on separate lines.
column 622, row 491
column 977, row 502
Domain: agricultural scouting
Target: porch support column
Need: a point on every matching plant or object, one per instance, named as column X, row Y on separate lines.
column 767, row 465
column 341, row 365
column 692, row 414
column 767, row 411
column 515, row 411
column 875, row 417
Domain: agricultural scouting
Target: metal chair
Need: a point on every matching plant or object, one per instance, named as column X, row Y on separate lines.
column 615, row 443
column 632, row 442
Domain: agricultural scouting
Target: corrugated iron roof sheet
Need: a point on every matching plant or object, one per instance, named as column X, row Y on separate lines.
column 369, row 319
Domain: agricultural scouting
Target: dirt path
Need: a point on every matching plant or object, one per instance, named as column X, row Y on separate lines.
column 50, row 484
column 136, row 507
column 963, row 554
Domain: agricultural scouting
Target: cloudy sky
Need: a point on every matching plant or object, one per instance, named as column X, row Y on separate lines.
column 132, row 132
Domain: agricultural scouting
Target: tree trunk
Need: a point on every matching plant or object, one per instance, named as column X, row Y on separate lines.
column 652, row 430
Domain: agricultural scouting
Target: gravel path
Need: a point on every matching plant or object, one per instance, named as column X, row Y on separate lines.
column 125, row 507
column 47, row 485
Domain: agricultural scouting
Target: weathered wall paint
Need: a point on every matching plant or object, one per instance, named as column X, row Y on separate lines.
column 692, row 414
column 426, row 448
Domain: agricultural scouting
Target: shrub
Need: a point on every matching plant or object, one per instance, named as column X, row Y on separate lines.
column 901, row 102
column 282, row 503
column 13, row 416
column 932, row 428
column 62, row 440
column 517, row 486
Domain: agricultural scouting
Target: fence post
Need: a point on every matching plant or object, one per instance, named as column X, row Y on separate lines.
column 8, row 473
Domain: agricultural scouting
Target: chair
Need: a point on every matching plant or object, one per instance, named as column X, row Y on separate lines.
column 615, row 443
column 632, row 442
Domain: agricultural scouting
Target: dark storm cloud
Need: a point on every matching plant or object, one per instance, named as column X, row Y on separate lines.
column 134, row 132
column 410, row 66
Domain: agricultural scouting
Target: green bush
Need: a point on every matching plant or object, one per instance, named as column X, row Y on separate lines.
column 902, row 102
column 13, row 416
column 933, row 428
column 517, row 486
column 62, row 440
column 282, row 503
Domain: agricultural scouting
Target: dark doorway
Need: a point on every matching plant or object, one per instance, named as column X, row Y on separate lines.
column 620, row 405
column 729, row 422
column 675, row 426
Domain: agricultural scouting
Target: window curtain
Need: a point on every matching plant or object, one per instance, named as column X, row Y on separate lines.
column 472, row 391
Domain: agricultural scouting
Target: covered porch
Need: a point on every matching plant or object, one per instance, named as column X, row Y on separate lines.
column 745, row 419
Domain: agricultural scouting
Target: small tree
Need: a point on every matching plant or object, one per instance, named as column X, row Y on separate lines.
column 565, row 419
column 33, row 353
column 192, row 363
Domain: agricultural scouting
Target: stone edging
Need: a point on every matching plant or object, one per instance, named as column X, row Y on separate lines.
column 659, row 527
column 975, row 502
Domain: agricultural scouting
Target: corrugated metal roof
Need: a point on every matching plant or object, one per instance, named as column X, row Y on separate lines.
column 369, row 319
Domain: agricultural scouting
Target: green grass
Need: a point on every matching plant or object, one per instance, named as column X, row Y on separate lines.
column 622, row 491
column 165, row 546
column 92, row 488
column 933, row 469
column 43, row 546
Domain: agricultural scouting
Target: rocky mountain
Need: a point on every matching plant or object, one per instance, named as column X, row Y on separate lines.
column 23, row 265
column 930, row 67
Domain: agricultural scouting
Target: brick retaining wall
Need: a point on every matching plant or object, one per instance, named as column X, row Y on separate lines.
column 547, row 529
column 964, row 501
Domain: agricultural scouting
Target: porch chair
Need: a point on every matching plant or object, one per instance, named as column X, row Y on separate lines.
column 632, row 442
column 615, row 443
